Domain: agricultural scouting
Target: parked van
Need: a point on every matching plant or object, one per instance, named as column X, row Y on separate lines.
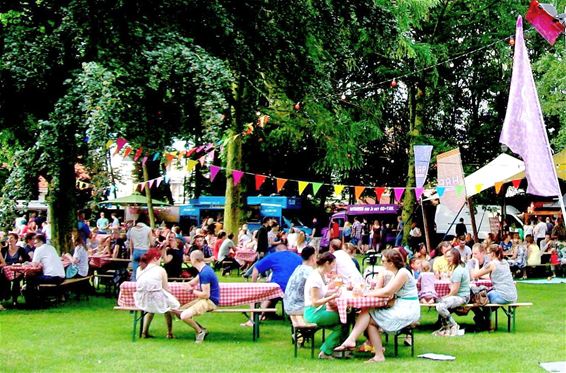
column 446, row 220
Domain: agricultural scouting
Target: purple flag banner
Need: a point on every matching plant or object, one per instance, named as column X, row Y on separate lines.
column 451, row 175
column 237, row 176
column 523, row 129
column 213, row 172
column 422, row 160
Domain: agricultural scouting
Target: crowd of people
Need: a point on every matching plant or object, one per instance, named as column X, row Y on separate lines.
column 310, row 276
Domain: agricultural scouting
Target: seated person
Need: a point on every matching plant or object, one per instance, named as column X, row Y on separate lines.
column 479, row 258
column 533, row 251
column 427, row 292
column 79, row 257
column 440, row 265
column 200, row 245
column 12, row 254
column 207, row 293
column 53, row 270
column 294, row 299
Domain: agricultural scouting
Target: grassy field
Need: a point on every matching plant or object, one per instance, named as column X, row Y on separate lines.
column 88, row 336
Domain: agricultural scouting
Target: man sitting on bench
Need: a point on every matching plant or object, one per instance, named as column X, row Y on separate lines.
column 208, row 295
column 53, row 270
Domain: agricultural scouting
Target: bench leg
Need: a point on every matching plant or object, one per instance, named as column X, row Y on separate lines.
column 255, row 330
column 295, row 336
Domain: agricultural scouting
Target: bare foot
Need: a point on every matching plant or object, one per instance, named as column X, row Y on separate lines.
column 248, row 323
column 376, row 359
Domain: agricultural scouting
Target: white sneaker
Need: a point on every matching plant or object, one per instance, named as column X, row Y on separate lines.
column 200, row 336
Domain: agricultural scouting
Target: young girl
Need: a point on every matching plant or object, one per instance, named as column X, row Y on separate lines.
column 427, row 294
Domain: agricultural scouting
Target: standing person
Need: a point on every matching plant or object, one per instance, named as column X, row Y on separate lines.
column 115, row 221
column 273, row 238
column 172, row 254
column 559, row 231
column 82, row 227
column 261, row 237
column 141, row 237
column 316, row 234
column 301, row 241
column 400, row 226
column 207, row 293
column 459, row 294
column 461, row 229
column 102, row 224
column 539, row 231
column 152, row 292
column 317, row 294
column 415, row 236
column 365, row 236
column 376, row 235
column 357, row 232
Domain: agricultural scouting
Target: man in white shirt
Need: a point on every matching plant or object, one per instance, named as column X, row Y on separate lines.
column 53, row 270
column 539, row 231
column 345, row 266
column 140, row 238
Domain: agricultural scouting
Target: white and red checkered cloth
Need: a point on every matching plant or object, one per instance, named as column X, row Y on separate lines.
column 245, row 255
column 442, row 287
column 231, row 293
column 347, row 300
column 12, row 272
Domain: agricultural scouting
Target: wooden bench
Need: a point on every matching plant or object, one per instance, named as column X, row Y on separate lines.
column 306, row 330
column 255, row 319
column 509, row 309
column 77, row 284
column 409, row 331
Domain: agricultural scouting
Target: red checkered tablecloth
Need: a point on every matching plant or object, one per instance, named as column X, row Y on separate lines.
column 244, row 255
column 231, row 293
column 98, row 261
column 442, row 287
column 12, row 272
column 347, row 300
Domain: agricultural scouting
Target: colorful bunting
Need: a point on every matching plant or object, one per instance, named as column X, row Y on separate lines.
column 138, row 154
column 120, row 142
column 440, row 190
column 158, row 180
column 479, row 187
column 338, row 189
column 398, row 193
column 191, row 164
column 302, row 186
column 156, row 156
column 237, row 176
column 459, row 189
column 358, row 191
column 259, row 180
column 213, row 172
column 498, row 186
column 201, row 160
column 378, row 192
column 516, row 183
column 280, row 183
column 109, row 143
column 419, row 192
column 315, row 187
column 127, row 151
column 144, row 160
column 150, row 183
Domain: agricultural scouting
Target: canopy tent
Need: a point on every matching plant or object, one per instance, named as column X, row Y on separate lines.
column 504, row 167
column 559, row 162
column 133, row 199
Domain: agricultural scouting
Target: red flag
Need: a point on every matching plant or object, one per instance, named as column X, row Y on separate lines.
column 516, row 183
column 259, row 180
column 378, row 192
column 138, row 154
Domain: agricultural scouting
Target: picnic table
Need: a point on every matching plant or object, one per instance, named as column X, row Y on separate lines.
column 246, row 255
column 14, row 271
column 442, row 287
column 348, row 300
column 231, row 293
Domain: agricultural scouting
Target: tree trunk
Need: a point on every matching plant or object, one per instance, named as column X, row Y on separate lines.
column 416, row 122
column 62, row 206
column 233, row 203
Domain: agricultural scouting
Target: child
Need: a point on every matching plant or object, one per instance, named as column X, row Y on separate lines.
column 427, row 294
column 554, row 261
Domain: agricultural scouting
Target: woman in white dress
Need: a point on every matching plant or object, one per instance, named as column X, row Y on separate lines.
column 404, row 312
column 152, row 292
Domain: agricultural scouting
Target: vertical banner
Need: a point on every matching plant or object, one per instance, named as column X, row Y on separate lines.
column 451, row 177
column 422, row 160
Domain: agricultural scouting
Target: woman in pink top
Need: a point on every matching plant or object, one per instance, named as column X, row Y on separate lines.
column 427, row 293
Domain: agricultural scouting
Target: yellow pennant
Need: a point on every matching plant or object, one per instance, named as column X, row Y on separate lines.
column 302, row 186
column 191, row 164
column 338, row 189
column 479, row 188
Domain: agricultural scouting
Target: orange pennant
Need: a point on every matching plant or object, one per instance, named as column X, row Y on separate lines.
column 280, row 183
column 498, row 186
column 358, row 191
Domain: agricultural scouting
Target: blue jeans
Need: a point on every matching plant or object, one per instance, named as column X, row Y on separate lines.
column 495, row 297
column 136, row 261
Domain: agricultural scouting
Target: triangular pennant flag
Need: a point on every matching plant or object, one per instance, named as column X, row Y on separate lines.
column 302, row 186
column 358, row 191
column 190, row 152
column 181, row 154
column 315, row 187
column 138, row 154
column 378, row 192
column 237, row 176
column 199, row 148
column 120, row 142
column 280, row 183
column 191, row 164
column 516, row 183
column 144, row 160
column 166, row 179
column 259, row 180
column 419, row 192
column 440, row 190
column 398, row 193
column 498, row 186
column 127, row 151
column 156, row 156
column 210, row 156
column 109, row 143
column 150, row 183
column 478, row 187
column 213, row 172
column 338, row 189
column 201, row 160
column 459, row 189
column 142, row 186
column 158, row 181
column 169, row 157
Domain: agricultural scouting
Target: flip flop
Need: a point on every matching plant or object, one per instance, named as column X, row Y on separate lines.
column 374, row 360
column 344, row 348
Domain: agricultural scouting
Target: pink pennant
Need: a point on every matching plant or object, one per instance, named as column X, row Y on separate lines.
column 210, row 156
column 237, row 176
column 150, row 183
column 398, row 193
column 144, row 160
column 142, row 186
column 201, row 160
column 120, row 142
column 213, row 172
column 158, row 180
column 419, row 192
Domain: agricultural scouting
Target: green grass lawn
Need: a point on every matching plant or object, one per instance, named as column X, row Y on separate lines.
column 89, row 336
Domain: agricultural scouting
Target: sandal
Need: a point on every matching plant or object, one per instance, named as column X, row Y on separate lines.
column 170, row 336
column 147, row 335
column 344, row 348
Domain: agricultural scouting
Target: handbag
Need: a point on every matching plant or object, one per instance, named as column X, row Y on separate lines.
column 478, row 296
column 71, row 271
